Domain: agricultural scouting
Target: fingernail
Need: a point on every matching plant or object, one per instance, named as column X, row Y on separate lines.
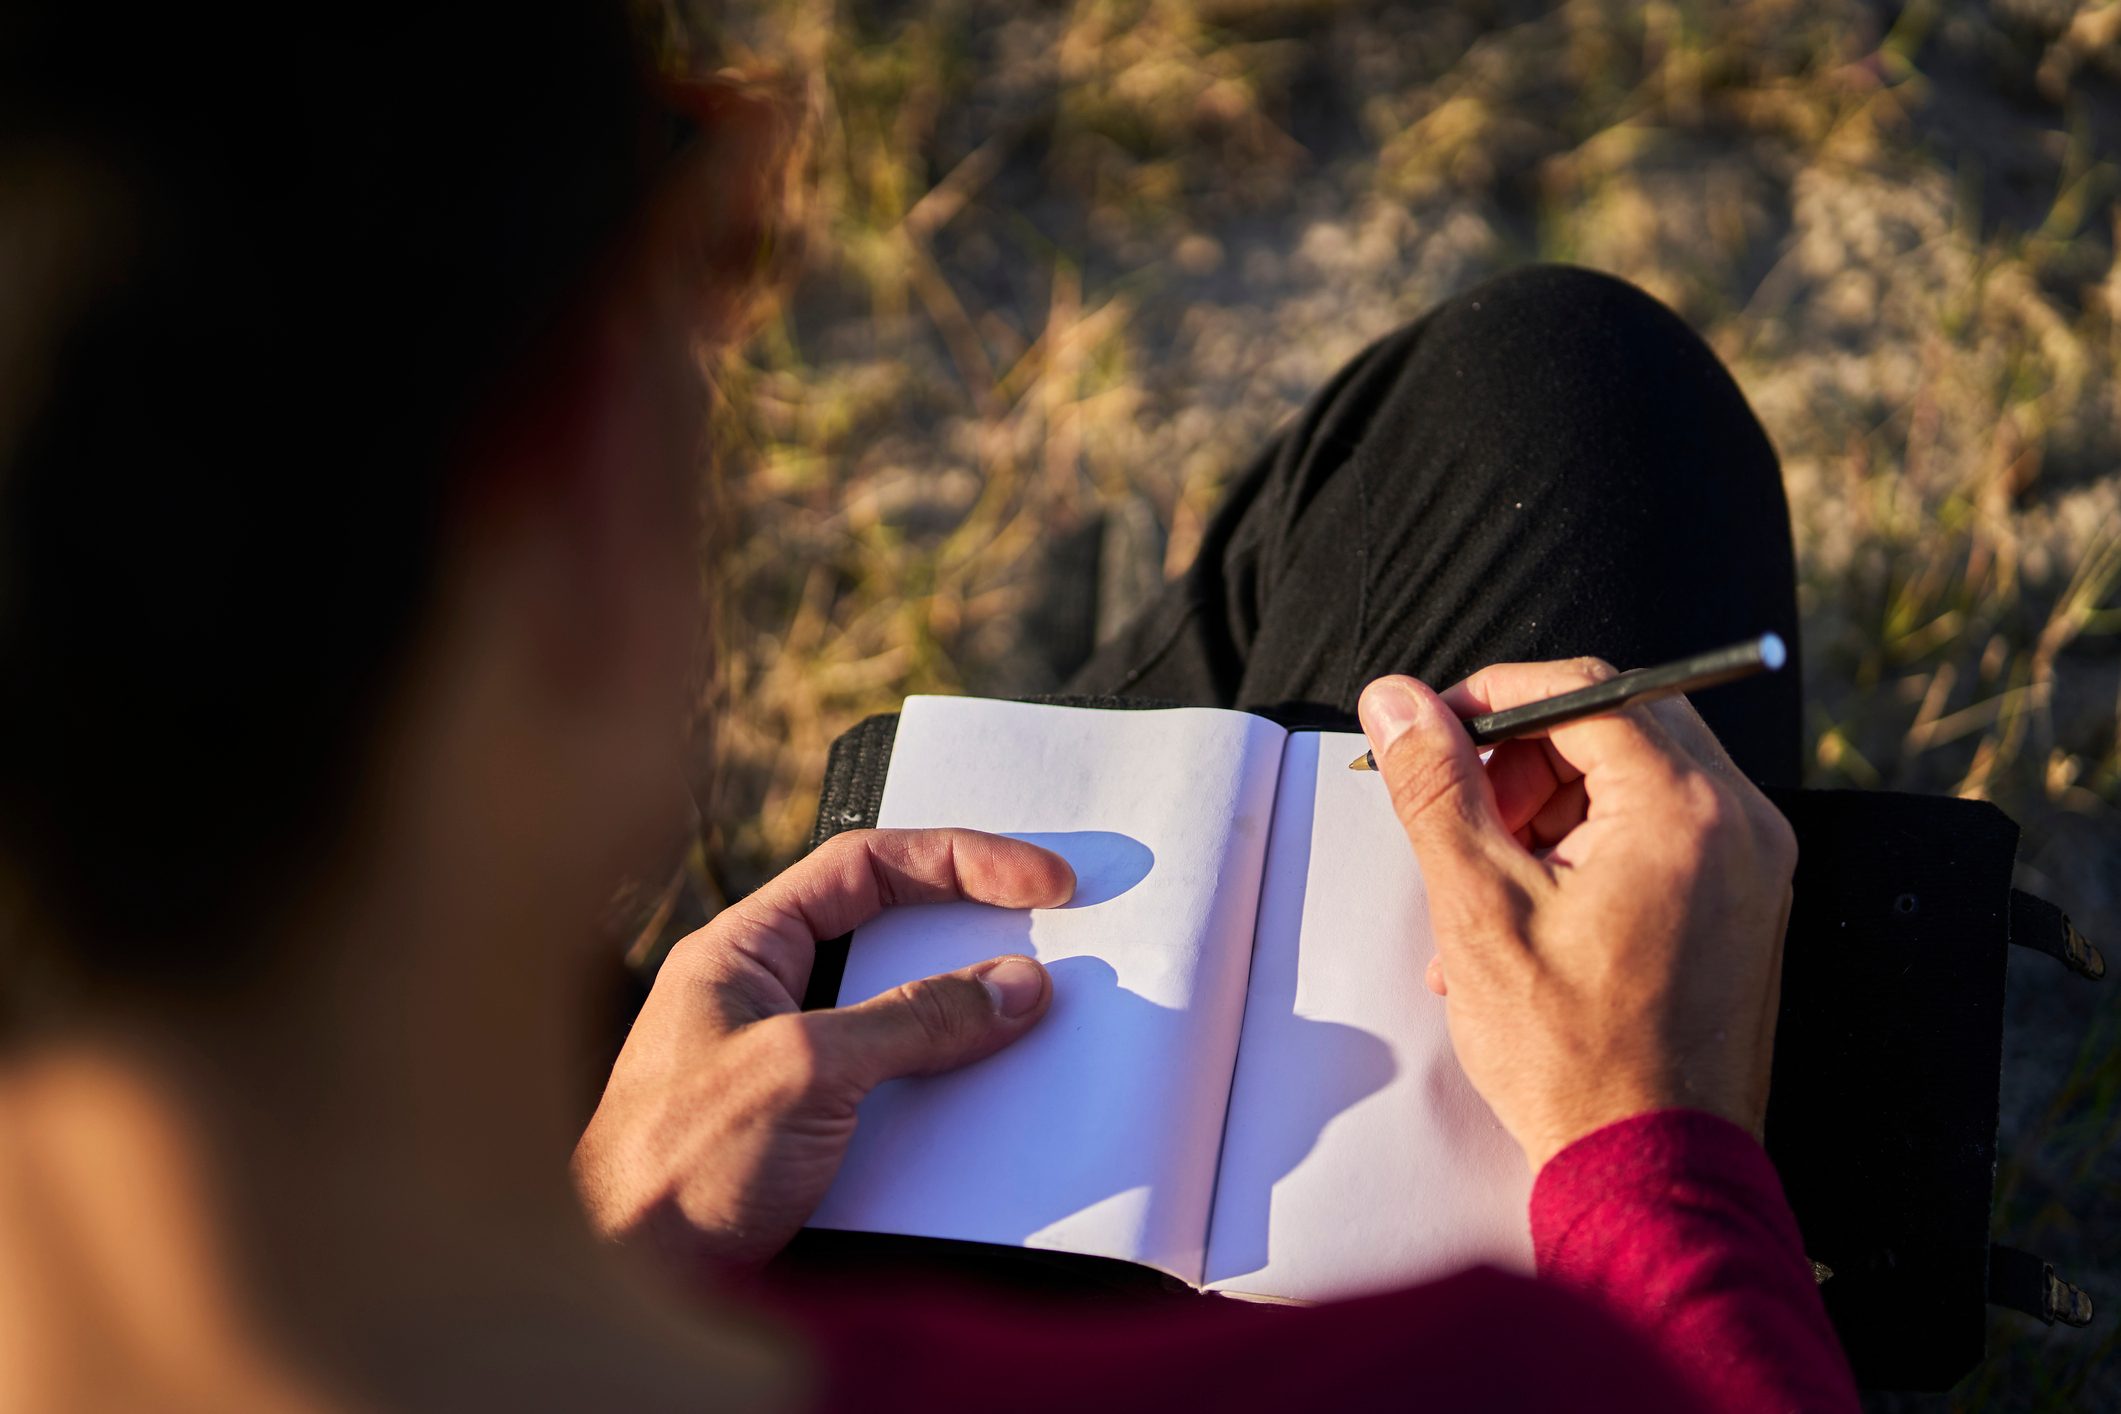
column 1015, row 984
column 1388, row 709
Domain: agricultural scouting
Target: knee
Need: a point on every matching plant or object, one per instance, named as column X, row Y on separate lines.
column 1577, row 354
column 1568, row 321
column 1574, row 386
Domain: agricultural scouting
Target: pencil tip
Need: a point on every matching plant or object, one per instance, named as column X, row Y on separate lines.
column 1364, row 762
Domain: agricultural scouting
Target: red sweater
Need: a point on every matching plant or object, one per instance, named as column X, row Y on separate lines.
column 1671, row 1277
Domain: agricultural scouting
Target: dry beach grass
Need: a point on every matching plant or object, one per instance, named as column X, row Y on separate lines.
column 1073, row 261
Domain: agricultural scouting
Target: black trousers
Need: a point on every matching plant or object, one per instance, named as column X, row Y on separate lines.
column 1548, row 466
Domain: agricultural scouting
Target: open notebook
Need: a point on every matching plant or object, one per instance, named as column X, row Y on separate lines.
column 1242, row 1081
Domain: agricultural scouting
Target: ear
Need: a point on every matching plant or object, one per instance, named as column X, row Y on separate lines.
column 728, row 213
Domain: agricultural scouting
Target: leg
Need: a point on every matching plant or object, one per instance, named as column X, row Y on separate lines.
column 1550, row 465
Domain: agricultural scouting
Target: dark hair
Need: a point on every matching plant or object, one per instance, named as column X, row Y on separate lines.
column 260, row 270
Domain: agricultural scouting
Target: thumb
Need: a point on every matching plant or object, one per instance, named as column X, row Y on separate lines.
column 937, row 1023
column 1439, row 788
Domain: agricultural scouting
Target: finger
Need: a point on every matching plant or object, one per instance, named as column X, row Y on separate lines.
column 1525, row 778
column 1500, row 686
column 1562, row 812
column 1440, row 793
column 1612, row 742
column 1680, row 719
column 1527, row 771
column 1433, row 977
column 853, row 877
column 936, row 1024
column 1505, row 685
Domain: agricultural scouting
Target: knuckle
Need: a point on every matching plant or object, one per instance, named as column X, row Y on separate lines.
column 695, row 957
column 897, row 862
column 1593, row 670
column 790, row 1057
column 1682, row 709
column 1705, row 805
column 1702, row 816
column 1674, row 715
column 835, row 862
column 932, row 1005
column 1778, row 840
column 1421, row 785
column 844, row 848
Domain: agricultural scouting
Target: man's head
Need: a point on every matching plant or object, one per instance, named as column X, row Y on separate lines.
column 346, row 412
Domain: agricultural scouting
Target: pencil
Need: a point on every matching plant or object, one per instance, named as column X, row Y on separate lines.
column 1764, row 654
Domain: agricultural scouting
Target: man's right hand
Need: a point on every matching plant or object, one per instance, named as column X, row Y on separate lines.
column 1608, row 902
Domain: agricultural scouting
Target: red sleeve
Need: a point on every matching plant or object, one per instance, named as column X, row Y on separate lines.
column 1478, row 1340
column 1676, row 1222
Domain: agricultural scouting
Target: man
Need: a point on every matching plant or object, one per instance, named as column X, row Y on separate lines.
column 347, row 626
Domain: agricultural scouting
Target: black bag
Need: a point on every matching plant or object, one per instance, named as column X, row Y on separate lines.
column 1888, row 1056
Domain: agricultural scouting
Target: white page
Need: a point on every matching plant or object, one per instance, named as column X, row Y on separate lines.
column 1356, row 1156
column 1098, row 1132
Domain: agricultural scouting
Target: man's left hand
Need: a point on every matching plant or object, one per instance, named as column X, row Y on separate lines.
column 730, row 1108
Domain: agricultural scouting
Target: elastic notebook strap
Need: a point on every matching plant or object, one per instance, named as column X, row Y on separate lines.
column 2039, row 925
column 2023, row 1282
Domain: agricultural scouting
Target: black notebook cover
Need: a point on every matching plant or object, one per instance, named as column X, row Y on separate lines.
column 1888, row 1053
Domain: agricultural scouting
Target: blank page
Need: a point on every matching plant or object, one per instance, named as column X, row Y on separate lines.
column 1098, row 1131
column 1356, row 1156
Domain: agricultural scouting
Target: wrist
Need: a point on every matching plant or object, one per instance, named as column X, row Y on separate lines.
column 1618, row 1102
column 1563, row 1130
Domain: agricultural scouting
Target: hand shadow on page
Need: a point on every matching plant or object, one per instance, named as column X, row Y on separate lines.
column 1044, row 1150
column 1106, row 864
column 1060, row 1121
column 1294, row 1075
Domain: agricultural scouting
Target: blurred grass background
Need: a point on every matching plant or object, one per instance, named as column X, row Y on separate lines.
column 1063, row 257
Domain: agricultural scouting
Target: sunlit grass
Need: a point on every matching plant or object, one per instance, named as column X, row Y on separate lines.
column 905, row 431
column 1061, row 255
